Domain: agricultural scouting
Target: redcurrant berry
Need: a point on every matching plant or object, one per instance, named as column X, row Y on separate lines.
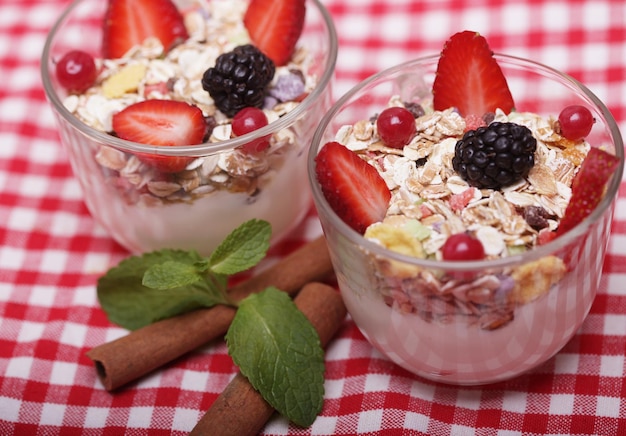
column 396, row 126
column 248, row 120
column 462, row 246
column 76, row 71
column 575, row 122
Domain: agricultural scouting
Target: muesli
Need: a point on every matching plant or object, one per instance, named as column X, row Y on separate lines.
column 150, row 71
column 430, row 202
column 463, row 176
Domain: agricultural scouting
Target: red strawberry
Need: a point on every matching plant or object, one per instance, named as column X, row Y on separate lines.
column 275, row 26
column 161, row 123
column 352, row 187
column 130, row 22
column 588, row 187
column 469, row 78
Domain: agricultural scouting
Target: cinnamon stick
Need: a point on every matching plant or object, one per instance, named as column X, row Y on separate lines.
column 240, row 409
column 132, row 356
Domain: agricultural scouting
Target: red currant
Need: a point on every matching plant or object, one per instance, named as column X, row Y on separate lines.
column 575, row 122
column 248, row 120
column 76, row 71
column 396, row 126
column 462, row 246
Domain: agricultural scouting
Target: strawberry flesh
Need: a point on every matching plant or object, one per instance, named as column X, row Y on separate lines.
column 275, row 26
column 161, row 123
column 469, row 78
column 129, row 22
column 352, row 187
column 588, row 187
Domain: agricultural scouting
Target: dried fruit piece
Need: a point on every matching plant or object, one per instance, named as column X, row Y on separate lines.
column 163, row 123
column 125, row 80
column 534, row 279
column 352, row 187
column 398, row 239
column 462, row 199
column 545, row 235
column 275, row 26
column 473, row 122
column 130, row 22
column 469, row 78
column 588, row 187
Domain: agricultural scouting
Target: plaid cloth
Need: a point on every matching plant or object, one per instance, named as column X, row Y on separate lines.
column 52, row 252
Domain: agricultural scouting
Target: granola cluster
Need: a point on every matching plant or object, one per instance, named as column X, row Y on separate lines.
column 147, row 72
column 430, row 202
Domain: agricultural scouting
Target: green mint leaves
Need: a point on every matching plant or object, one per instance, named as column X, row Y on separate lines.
column 171, row 274
column 242, row 249
column 271, row 341
column 165, row 283
column 279, row 352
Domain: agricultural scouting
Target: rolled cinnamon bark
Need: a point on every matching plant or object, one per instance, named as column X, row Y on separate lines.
column 132, row 356
column 240, row 409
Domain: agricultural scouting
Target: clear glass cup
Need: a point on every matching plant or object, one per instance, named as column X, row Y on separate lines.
column 192, row 215
column 448, row 334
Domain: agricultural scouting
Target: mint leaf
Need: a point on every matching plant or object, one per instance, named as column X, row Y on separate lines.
column 242, row 249
column 279, row 351
column 132, row 305
column 170, row 274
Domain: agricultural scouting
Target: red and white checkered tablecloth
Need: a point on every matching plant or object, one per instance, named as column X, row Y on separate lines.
column 52, row 252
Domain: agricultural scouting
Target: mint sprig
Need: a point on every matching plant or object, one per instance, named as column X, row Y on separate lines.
column 279, row 352
column 165, row 283
column 242, row 249
column 271, row 341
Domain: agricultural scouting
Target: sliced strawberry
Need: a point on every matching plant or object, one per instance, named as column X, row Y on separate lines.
column 352, row 187
column 130, row 22
column 588, row 187
column 161, row 123
column 469, row 78
column 275, row 26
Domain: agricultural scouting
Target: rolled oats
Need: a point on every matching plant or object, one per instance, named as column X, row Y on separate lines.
column 426, row 190
column 146, row 72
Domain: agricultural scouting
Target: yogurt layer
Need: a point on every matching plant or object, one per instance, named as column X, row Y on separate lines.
column 146, row 209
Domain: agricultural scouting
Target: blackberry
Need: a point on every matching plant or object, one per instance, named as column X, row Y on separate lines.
column 496, row 155
column 239, row 79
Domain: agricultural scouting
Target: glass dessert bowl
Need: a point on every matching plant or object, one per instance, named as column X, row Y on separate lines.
column 474, row 319
column 149, row 194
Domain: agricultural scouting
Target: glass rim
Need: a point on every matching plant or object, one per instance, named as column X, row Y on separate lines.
column 544, row 250
column 205, row 148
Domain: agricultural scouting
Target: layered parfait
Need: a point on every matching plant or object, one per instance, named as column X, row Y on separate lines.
column 195, row 74
column 462, row 175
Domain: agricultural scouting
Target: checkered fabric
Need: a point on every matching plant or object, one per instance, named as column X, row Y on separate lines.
column 52, row 252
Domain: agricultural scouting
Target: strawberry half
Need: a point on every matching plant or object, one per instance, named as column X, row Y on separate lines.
column 469, row 78
column 161, row 123
column 275, row 26
column 130, row 22
column 588, row 187
column 352, row 187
